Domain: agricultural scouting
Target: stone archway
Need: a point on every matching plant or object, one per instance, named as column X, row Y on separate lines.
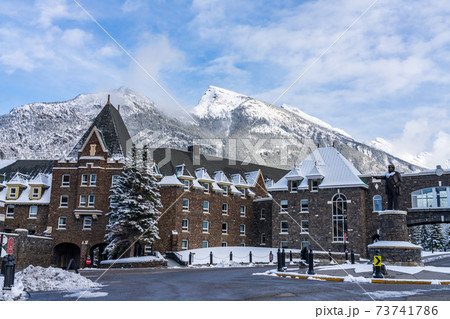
column 64, row 252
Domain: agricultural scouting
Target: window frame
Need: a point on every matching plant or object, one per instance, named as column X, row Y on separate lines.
column 91, row 203
column 262, row 239
column 34, row 215
column 61, row 201
column 377, row 200
column 87, row 225
column 304, row 230
column 205, row 230
column 243, row 212
column 303, row 206
column 84, row 179
column 82, row 203
column 63, row 182
column 339, row 217
column 284, row 229
column 60, row 218
column 8, row 212
column 185, row 225
column 187, row 185
column 224, row 230
column 225, row 211
column 114, row 180
column 185, row 207
column 10, row 195
column 206, row 209
column 184, row 244
column 282, row 209
column 93, row 180
column 242, row 230
column 33, row 193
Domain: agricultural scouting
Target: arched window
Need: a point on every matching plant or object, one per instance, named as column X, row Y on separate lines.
column 339, row 217
column 377, row 203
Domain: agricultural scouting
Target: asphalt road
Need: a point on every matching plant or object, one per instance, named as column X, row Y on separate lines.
column 220, row 284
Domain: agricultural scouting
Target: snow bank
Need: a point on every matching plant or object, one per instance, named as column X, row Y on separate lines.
column 131, row 260
column 45, row 279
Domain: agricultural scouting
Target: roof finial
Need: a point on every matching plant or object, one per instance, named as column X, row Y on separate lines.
column 109, row 102
column 118, row 108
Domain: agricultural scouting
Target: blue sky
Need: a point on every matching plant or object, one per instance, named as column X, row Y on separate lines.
column 387, row 76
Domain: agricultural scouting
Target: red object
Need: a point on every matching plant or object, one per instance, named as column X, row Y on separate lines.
column 345, row 237
column 88, row 261
column 10, row 246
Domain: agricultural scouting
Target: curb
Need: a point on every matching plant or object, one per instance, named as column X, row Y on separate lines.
column 371, row 280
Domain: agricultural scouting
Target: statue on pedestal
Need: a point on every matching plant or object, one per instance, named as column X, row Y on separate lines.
column 393, row 182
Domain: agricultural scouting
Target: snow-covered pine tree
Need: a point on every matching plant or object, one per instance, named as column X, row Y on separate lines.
column 414, row 235
column 425, row 238
column 135, row 205
column 437, row 238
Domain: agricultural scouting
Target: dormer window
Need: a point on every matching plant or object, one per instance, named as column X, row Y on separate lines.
column 35, row 193
column 294, row 186
column 315, row 185
column 12, row 193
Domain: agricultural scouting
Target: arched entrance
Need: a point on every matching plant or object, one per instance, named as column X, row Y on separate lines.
column 64, row 253
column 97, row 254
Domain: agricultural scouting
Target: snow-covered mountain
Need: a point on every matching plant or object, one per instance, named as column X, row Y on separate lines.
column 253, row 130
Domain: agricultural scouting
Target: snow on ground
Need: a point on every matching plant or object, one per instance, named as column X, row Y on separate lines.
column 221, row 255
column 86, row 294
column 359, row 268
column 428, row 256
column 45, row 279
column 386, row 294
column 132, row 259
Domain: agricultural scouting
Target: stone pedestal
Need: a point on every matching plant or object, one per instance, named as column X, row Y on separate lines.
column 393, row 246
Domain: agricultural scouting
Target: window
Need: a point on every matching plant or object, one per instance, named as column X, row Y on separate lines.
column 242, row 244
column 315, row 185
column 205, row 226
column 184, row 244
column 377, row 203
column 224, row 228
column 284, row 244
column 91, row 201
column 114, row 180
column 93, row 181
column 35, row 193
column 224, row 244
column 205, row 206
column 65, row 180
column 10, row 211
column 242, row 230
column 84, row 180
column 82, row 201
column 304, row 205
column 284, row 206
column 33, row 212
column 242, row 192
column 185, row 225
column 225, row 190
column 87, row 222
column 339, row 210
column 431, row 197
column 205, row 244
column 12, row 192
column 305, row 227
column 294, row 186
column 185, row 204
column 64, row 201
column 62, row 222
column 206, row 187
column 224, row 209
column 283, row 227
column 186, row 185
column 243, row 210
column 262, row 241
column 263, row 214
column 305, row 244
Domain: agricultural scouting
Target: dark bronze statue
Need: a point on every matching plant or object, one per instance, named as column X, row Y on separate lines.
column 392, row 186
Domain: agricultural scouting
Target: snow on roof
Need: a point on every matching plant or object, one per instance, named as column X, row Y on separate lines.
column 196, row 184
column 171, row 180
column 41, row 179
column 251, row 177
column 238, row 180
column 269, row 182
column 181, row 171
column 251, row 193
column 5, row 162
column 216, row 188
column 25, row 194
column 202, row 175
column 18, row 179
column 326, row 163
column 294, row 175
column 234, row 190
column 221, row 178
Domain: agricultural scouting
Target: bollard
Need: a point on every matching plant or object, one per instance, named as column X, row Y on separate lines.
column 283, row 258
column 250, row 257
column 352, row 257
column 210, row 258
column 377, row 273
column 329, row 255
column 311, row 263
column 231, row 256
column 279, row 268
column 4, row 260
column 270, row 257
column 152, row 250
column 290, row 256
column 190, row 258
column 307, row 256
column 9, row 273
column 346, row 255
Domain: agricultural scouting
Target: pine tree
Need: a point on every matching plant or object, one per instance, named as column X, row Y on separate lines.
column 425, row 238
column 134, row 209
column 414, row 235
column 437, row 241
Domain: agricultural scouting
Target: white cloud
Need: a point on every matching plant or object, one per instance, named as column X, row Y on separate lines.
column 132, row 5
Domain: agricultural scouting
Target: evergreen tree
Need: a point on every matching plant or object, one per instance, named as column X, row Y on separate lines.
column 437, row 240
column 425, row 238
column 414, row 235
column 135, row 205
